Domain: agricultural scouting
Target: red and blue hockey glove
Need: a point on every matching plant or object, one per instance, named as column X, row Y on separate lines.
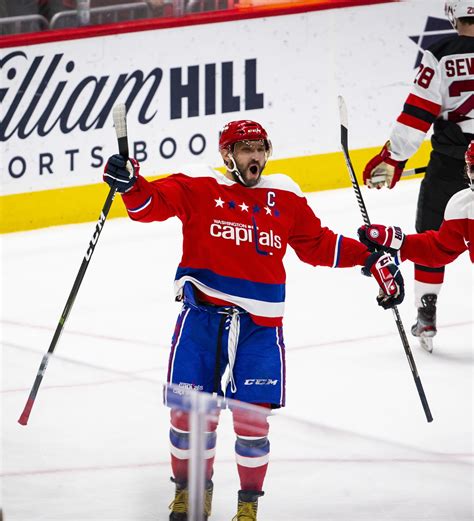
column 380, row 237
column 121, row 173
column 382, row 170
column 381, row 266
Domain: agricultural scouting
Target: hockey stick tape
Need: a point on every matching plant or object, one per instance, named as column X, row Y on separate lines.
column 119, row 115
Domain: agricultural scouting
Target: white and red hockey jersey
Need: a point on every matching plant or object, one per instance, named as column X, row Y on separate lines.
column 456, row 235
column 235, row 237
column 443, row 89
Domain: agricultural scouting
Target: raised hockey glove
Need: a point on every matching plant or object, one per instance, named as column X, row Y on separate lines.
column 380, row 237
column 389, row 278
column 121, row 173
column 382, row 170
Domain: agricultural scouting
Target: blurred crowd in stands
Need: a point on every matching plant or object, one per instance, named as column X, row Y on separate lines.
column 24, row 16
column 48, row 8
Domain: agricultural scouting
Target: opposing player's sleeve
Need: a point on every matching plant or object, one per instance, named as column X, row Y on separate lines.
column 318, row 245
column 421, row 108
column 436, row 248
column 158, row 200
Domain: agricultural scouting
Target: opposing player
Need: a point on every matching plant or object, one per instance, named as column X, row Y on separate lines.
column 443, row 95
column 231, row 280
column 432, row 248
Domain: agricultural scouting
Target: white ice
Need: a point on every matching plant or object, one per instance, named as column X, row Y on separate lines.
column 352, row 443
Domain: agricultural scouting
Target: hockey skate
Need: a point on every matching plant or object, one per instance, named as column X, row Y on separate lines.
column 247, row 505
column 425, row 326
column 179, row 505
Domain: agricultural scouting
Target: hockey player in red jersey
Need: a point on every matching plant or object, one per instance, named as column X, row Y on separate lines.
column 231, row 280
column 443, row 95
column 432, row 248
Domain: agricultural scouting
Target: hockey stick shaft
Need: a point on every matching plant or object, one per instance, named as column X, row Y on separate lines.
column 414, row 171
column 119, row 114
column 365, row 217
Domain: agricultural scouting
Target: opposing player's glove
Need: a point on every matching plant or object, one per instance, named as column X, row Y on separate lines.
column 380, row 237
column 382, row 170
column 392, row 290
column 121, row 173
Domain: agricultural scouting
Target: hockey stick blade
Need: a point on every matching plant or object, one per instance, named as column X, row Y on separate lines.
column 119, row 114
column 401, row 330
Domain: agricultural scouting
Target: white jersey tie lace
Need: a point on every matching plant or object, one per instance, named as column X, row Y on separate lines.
column 232, row 342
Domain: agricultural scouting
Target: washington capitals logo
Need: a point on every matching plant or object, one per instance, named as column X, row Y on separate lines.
column 241, row 233
column 435, row 29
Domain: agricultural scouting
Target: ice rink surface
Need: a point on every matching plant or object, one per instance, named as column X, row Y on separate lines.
column 352, row 443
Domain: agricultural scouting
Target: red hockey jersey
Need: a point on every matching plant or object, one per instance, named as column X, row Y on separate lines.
column 456, row 235
column 235, row 237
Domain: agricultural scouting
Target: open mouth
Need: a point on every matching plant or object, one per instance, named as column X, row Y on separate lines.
column 254, row 169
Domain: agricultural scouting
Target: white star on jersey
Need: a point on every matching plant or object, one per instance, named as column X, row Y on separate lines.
column 219, row 202
column 244, row 207
column 269, row 212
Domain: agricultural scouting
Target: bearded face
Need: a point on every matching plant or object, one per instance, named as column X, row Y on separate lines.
column 250, row 158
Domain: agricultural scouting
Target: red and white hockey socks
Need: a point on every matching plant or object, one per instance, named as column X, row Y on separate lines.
column 179, row 446
column 252, row 448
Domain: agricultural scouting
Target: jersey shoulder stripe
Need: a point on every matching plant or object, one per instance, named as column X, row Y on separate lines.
column 268, row 182
column 460, row 206
column 199, row 171
column 453, row 44
column 280, row 182
column 272, row 181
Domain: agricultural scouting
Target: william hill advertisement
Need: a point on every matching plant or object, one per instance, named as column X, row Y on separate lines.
column 69, row 117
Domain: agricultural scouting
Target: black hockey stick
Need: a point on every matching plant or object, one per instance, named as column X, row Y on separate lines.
column 365, row 216
column 120, row 122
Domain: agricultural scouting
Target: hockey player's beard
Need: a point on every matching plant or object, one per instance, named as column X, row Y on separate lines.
column 251, row 172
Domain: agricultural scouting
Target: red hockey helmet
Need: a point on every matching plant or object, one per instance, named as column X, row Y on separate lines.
column 243, row 130
column 469, row 156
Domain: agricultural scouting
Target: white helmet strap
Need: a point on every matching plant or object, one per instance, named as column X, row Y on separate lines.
column 232, row 167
